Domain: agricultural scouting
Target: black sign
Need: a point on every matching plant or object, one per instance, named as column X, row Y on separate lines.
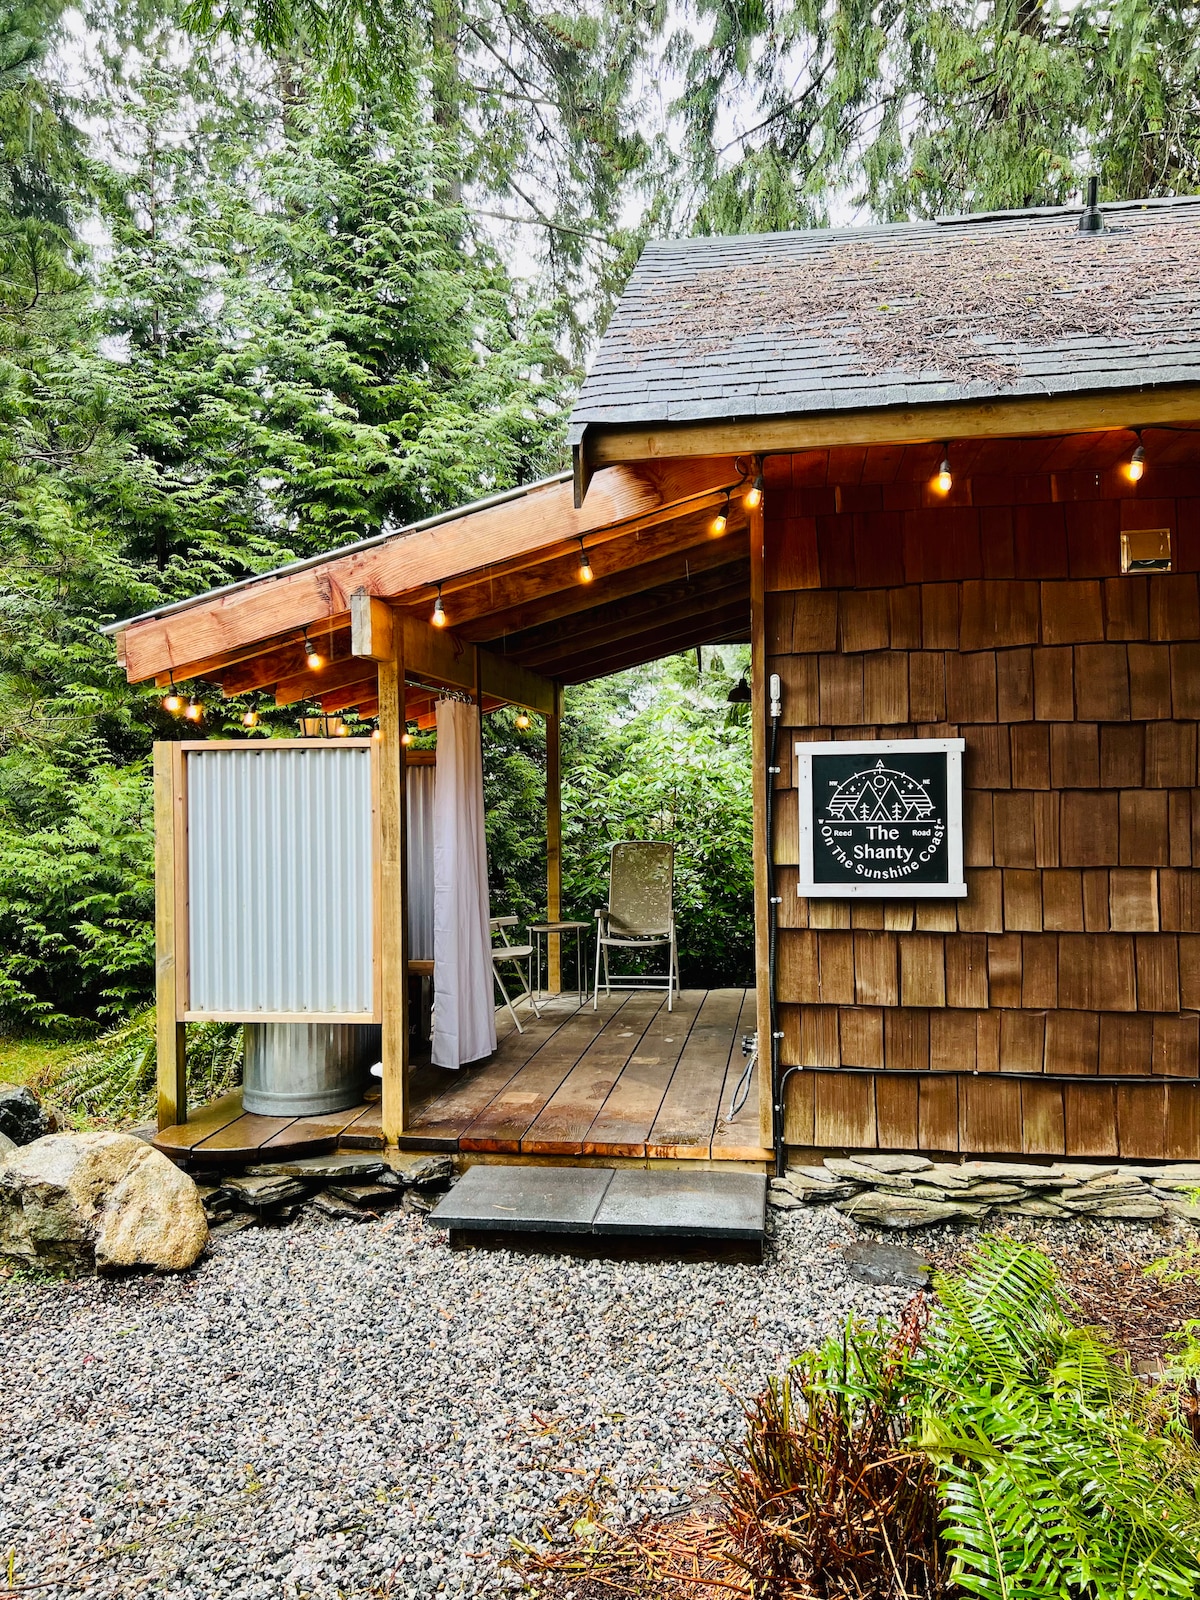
column 881, row 819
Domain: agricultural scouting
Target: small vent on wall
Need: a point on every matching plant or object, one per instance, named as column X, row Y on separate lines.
column 1146, row 550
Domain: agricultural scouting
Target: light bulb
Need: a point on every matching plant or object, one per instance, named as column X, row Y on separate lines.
column 1137, row 465
column 405, row 737
column 721, row 521
column 585, row 567
column 172, row 703
column 250, row 720
column 944, row 481
column 754, row 494
column 377, row 733
column 315, row 659
column 522, row 720
column 439, row 618
column 194, row 711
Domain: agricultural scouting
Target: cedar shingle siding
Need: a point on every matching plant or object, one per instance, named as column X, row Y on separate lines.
column 1076, row 954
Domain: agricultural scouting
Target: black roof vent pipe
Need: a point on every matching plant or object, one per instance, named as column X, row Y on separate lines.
column 1090, row 220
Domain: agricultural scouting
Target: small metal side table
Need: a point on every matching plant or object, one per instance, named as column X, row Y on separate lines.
column 542, row 930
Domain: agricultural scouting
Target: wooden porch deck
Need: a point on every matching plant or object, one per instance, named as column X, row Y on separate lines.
column 628, row 1081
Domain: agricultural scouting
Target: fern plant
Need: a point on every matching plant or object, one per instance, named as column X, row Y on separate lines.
column 112, row 1081
column 1062, row 1474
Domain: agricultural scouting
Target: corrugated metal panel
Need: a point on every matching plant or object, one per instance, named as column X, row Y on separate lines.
column 279, row 866
column 419, row 785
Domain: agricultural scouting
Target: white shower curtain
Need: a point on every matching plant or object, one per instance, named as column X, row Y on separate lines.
column 464, row 1016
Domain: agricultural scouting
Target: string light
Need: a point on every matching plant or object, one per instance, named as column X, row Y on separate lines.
column 250, row 719
column 315, row 659
column 405, row 737
column 721, row 521
column 439, row 618
column 522, row 720
column 193, row 711
column 1137, row 463
column 754, row 494
column 585, row 566
column 377, row 732
column 944, row 481
column 173, row 701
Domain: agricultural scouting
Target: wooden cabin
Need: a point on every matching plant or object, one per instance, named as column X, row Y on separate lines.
column 945, row 477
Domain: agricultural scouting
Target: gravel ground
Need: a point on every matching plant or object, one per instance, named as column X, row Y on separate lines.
column 339, row 1411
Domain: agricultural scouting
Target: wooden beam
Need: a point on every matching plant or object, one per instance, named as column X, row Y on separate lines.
column 632, row 577
column 169, row 934
column 370, row 627
column 914, row 424
column 479, row 599
column 515, row 684
column 310, row 685
column 712, row 627
column 627, row 619
column 392, row 918
column 554, row 841
column 523, row 529
column 281, row 662
column 759, row 779
column 351, row 694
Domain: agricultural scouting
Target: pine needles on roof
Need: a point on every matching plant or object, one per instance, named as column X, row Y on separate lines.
column 959, row 304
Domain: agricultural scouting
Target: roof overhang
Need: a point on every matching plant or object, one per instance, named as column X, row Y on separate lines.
column 509, row 572
column 597, row 445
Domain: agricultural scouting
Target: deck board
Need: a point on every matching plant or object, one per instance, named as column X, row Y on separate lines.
column 202, row 1123
column 684, row 1126
column 739, row 1140
column 623, row 1123
column 501, row 1125
column 244, row 1136
column 564, row 1121
column 474, row 1089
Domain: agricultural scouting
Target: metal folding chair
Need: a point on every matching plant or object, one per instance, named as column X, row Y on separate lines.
column 519, row 957
column 640, row 914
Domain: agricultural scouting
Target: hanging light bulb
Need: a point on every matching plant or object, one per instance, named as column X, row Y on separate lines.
column 585, row 566
column 250, row 719
column 405, row 737
column 377, row 733
column 522, row 720
column 754, row 494
column 721, row 521
column 1137, row 463
column 944, row 481
column 193, row 711
column 439, row 618
column 313, row 656
column 173, row 700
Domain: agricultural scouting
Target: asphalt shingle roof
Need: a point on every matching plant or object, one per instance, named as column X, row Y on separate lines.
column 998, row 305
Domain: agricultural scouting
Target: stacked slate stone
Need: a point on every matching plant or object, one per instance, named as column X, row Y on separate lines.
column 342, row 1186
column 897, row 1191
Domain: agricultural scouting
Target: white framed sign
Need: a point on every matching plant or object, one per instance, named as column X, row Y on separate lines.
column 881, row 819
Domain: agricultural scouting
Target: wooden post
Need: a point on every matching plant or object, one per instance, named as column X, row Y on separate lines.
column 554, row 841
column 760, row 779
column 170, row 909
column 393, row 922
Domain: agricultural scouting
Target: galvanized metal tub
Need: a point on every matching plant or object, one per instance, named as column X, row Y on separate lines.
column 303, row 1069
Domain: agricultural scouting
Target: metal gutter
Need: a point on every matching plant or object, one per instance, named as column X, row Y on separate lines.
column 503, row 498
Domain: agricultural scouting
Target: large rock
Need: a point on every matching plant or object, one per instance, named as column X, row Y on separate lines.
column 98, row 1201
column 893, row 1211
column 21, row 1116
column 6, row 1145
